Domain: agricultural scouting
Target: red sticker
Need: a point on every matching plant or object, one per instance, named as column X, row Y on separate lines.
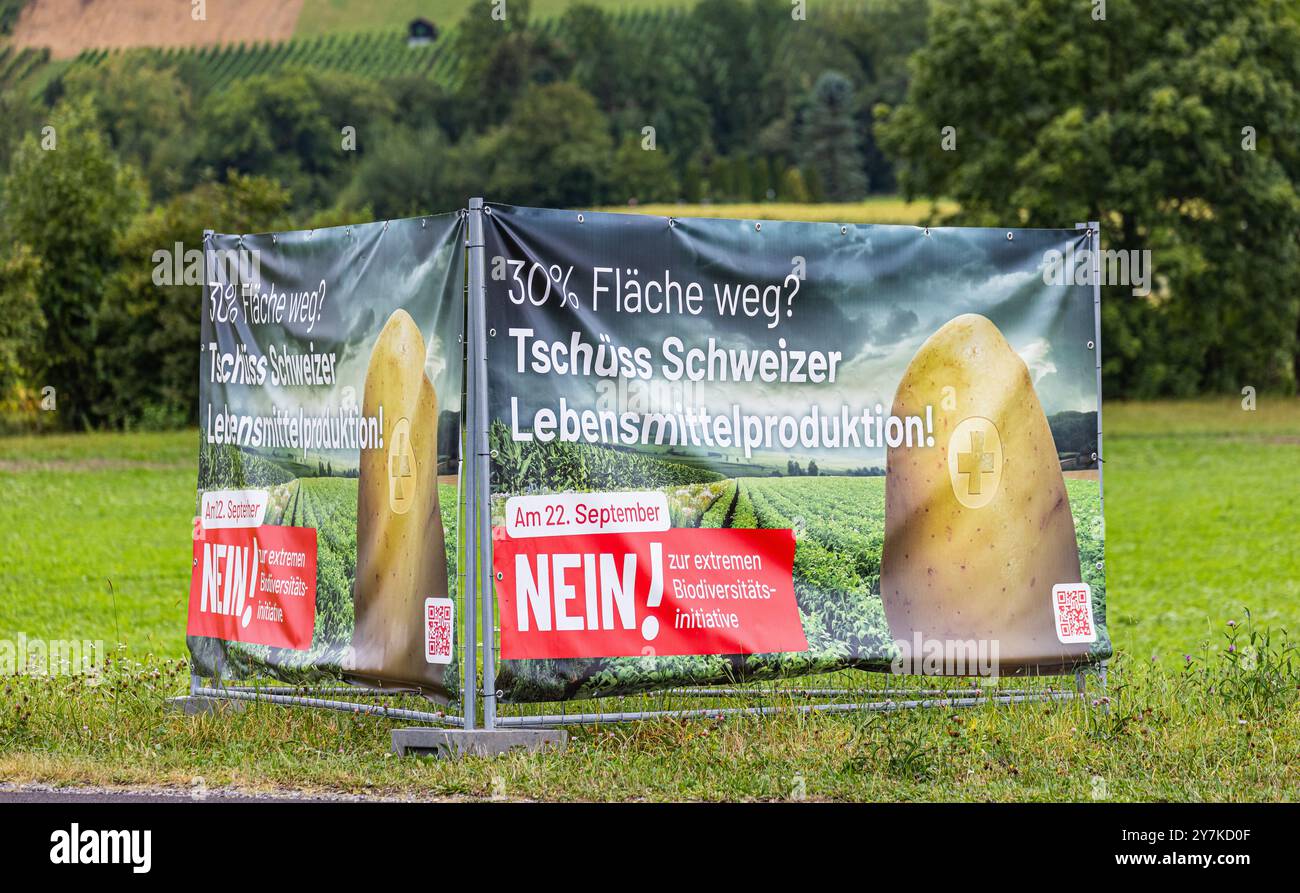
column 255, row 585
column 680, row 591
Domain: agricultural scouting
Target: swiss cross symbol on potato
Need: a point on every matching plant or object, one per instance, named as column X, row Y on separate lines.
column 975, row 461
column 401, row 468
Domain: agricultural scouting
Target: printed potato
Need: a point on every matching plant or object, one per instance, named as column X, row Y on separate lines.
column 400, row 549
column 978, row 528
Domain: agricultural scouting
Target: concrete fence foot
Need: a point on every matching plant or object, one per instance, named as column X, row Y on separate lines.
column 452, row 743
column 197, row 705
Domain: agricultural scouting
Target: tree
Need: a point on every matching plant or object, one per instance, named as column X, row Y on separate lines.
column 731, row 58
column 499, row 59
column 637, row 78
column 68, row 204
column 149, row 332
column 21, row 115
column 598, row 49
column 554, row 149
column 880, row 35
column 410, row 172
column 793, row 188
column 831, row 145
column 145, row 112
column 22, row 324
column 420, row 102
column 1137, row 121
column 693, row 182
column 294, row 126
column 639, row 174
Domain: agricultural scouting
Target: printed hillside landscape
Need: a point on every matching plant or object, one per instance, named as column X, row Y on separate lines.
column 329, row 505
column 839, row 524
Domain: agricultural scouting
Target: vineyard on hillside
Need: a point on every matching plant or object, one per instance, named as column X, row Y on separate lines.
column 377, row 54
column 17, row 64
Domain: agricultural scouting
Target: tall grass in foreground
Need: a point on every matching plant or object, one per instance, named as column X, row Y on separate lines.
column 1223, row 727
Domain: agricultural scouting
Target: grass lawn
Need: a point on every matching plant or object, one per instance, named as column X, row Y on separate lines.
column 1202, row 506
column 94, row 538
column 1202, row 514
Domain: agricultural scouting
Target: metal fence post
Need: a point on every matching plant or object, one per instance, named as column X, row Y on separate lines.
column 481, row 454
column 1094, row 244
column 1095, row 228
column 209, row 274
column 469, row 672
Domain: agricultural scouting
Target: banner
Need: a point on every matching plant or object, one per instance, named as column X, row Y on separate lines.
column 737, row 450
column 331, row 371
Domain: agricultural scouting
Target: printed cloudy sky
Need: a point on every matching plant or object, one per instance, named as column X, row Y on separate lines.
column 874, row 293
column 370, row 271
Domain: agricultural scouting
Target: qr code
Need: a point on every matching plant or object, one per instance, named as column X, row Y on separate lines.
column 439, row 624
column 1072, row 606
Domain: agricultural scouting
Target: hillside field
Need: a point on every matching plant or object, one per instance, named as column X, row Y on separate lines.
column 68, row 27
column 340, row 16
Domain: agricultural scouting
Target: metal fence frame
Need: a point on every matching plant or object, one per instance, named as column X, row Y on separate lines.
column 479, row 598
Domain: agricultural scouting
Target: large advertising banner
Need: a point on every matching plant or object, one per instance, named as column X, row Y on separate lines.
column 331, row 369
column 731, row 450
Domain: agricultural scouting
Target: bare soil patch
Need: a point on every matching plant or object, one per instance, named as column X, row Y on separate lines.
column 69, row 26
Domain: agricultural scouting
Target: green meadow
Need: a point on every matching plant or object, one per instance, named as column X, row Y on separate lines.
column 1202, row 502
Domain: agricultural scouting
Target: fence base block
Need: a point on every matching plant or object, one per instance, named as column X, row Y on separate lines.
column 449, row 744
column 200, row 705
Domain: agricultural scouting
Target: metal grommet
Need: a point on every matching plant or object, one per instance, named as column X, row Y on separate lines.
column 844, row 230
column 487, row 211
column 758, row 227
column 492, row 332
column 423, row 221
column 1094, row 457
column 927, row 232
column 493, row 454
column 1101, row 565
column 1091, row 345
column 581, row 218
column 672, row 221
column 1010, row 236
column 272, row 238
column 500, row 576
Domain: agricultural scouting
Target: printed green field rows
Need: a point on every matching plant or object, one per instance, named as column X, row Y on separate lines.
column 835, row 585
column 843, row 515
column 561, row 466
column 718, row 513
column 330, row 505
